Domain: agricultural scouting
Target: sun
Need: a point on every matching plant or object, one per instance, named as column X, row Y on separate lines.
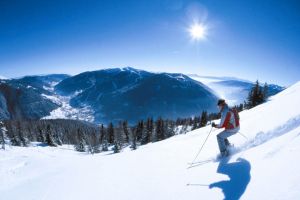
column 198, row 31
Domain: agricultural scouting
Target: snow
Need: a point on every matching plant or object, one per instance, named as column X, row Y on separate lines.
column 182, row 129
column 264, row 166
column 29, row 86
column 179, row 77
column 132, row 70
column 66, row 111
column 51, row 86
column 54, row 99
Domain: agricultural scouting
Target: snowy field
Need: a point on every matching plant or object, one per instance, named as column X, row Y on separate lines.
column 264, row 166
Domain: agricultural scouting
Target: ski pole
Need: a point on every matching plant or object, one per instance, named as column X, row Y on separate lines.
column 197, row 184
column 201, row 147
column 243, row 135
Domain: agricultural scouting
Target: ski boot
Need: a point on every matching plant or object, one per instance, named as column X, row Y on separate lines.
column 227, row 143
column 223, row 154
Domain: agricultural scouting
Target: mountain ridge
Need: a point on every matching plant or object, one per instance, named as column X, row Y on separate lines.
column 116, row 94
column 131, row 94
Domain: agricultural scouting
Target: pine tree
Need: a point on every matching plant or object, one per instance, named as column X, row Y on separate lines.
column 147, row 131
column 41, row 137
column 66, row 137
column 195, row 123
column 126, row 132
column 256, row 96
column 139, row 131
column 15, row 141
column 49, row 137
column 94, row 146
column 2, row 135
column 110, row 132
column 241, row 107
column 103, row 138
column 81, row 142
column 23, row 140
column 160, row 134
column 204, row 119
column 169, row 127
column 14, row 134
column 117, row 146
column 57, row 136
column 119, row 137
column 133, row 138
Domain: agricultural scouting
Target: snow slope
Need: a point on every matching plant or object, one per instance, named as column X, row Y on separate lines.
column 265, row 166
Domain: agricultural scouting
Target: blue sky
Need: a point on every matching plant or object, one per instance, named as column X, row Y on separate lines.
column 255, row 39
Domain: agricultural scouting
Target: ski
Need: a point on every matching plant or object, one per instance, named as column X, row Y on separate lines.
column 191, row 165
column 232, row 151
column 197, row 162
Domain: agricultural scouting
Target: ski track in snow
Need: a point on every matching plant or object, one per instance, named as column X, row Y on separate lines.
column 263, row 137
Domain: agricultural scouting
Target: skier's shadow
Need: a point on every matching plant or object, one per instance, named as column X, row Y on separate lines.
column 239, row 174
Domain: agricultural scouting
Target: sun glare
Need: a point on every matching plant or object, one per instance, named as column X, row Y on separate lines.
column 198, row 31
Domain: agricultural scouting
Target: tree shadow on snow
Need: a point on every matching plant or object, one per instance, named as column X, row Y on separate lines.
column 239, row 174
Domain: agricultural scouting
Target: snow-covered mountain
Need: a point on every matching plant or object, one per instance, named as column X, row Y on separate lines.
column 23, row 97
column 234, row 90
column 132, row 94
column 264, row 166
column 118, row 94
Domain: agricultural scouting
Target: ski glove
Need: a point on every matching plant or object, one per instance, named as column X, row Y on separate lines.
column 213, row 124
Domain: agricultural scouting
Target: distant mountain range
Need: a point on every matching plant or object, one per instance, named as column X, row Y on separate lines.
column 22, row 98
column 117, row 94
column 131, row 94
column 2, row 77
column 234, row 90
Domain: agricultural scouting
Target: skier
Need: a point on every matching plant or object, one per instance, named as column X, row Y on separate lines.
column 229, row 121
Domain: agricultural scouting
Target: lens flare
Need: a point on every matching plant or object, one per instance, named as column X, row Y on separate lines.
column 198, row 31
